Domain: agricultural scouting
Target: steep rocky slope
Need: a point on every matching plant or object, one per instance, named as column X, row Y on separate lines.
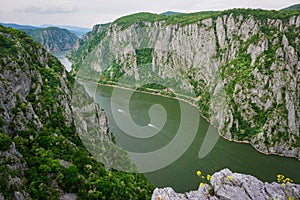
column 242, row 65
column 228, row 185
column 54, row 39
column 41, row 154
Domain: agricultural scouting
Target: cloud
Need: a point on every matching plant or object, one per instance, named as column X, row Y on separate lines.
column 49, row 11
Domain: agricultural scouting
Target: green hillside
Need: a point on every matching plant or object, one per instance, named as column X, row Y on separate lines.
column 42, row 156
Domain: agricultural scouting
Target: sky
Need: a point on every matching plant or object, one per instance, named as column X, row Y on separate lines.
column 86, row 13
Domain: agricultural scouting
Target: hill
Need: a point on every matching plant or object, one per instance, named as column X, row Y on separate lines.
column 78, row 31
column 18, row 26
column 53, row 39
column 42, row 155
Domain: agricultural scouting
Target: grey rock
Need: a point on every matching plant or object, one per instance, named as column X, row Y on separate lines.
column 68, row 196
column 92, row 127
column 167, row 194
column 12, row 158
column 21, row 195
column 221, row 33
column 230, row 186
column 202, row 49
column 298, row 21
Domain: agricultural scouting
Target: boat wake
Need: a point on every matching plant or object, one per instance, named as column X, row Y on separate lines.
column 153, row 126
column 122, row 111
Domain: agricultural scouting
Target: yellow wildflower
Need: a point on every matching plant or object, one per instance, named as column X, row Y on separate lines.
column 201, row 184
column 198, row 173
column 229, row 178
column 208, row 177
column 283, row 185
column 203, row 177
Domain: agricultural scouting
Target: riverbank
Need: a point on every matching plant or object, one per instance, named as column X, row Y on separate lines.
column 157, row 93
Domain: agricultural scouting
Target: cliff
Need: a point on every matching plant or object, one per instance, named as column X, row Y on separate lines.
column 228, row 185
column 242, row 65
column 41, row 153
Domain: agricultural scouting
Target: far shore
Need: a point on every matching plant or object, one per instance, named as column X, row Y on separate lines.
column 157, row 93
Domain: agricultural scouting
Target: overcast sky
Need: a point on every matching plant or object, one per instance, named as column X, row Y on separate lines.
column 86, row 13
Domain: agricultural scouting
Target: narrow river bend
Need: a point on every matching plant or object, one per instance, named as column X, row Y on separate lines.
column 180, row 175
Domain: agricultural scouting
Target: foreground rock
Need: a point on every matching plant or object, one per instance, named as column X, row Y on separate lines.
column 228, row 185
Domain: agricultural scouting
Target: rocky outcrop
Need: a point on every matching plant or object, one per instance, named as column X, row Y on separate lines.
column 34, row 91
column 243, row 67
column 43, row 132
column 92, row 127
column 11, row 162
column 228, row 185
column 26, row 76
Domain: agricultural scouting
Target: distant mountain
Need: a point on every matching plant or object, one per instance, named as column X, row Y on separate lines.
column 168, row 13
column 53, row 39
column 79, row 31
column 293, row 7
column 18, row 26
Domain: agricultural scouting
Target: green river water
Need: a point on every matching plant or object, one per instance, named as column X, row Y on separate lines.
column 181, row 174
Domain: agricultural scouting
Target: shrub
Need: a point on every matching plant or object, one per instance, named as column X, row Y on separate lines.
column 5, row 142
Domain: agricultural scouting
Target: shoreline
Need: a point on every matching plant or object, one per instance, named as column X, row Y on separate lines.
column 194, row 105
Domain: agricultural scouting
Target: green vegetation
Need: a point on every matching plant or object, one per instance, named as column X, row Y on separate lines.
column 55, row 157
column 5, row 141
column 94, row 38
column 251, row 116
column 52, row 157
column 189, row 18
column 182, row 19
column 138, row 18
column 144, row 56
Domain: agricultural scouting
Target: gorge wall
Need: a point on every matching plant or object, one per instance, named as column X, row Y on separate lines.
column 242, row 65
column 41, row 153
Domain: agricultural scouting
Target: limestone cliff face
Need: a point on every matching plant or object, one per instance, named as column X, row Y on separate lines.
column 238, row 186
column 35, row 99
column 243, row 67
column 92, row 127
column 25, row 80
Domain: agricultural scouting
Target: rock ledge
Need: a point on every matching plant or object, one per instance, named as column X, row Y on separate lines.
column 240, row 186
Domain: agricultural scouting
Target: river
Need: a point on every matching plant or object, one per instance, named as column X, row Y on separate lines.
column 181, row 174
column 62, row 58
